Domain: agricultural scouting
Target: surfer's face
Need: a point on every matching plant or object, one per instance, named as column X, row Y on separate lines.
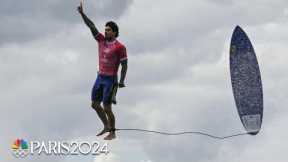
column 109, row 34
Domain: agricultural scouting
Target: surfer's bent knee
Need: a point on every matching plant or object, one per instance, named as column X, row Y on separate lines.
column 107, row 107
column 95, row 105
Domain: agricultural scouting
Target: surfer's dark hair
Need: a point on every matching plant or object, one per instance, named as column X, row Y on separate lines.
column 114, row 27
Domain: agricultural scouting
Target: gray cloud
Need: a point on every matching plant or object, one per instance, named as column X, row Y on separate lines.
column 23, row 21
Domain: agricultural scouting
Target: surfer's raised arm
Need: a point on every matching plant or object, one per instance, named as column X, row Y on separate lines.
column 87, row 21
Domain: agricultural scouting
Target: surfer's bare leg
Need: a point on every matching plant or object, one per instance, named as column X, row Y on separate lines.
column 102, row 115
column 111, row 121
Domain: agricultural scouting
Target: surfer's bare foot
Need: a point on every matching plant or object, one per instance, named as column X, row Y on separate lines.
column 103, row 131
column 110, row 136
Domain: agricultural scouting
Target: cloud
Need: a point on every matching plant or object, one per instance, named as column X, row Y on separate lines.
column 26, row 21
column 106, row 158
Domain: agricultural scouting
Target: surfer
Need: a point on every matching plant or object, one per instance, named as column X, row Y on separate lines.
column 112, row 53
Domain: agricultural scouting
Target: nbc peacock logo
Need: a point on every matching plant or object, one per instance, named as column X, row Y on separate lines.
column 20, row 148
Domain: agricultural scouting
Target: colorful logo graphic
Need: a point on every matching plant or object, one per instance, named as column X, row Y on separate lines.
column 20, row 148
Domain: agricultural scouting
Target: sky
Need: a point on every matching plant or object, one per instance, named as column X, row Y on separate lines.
column 178, row 78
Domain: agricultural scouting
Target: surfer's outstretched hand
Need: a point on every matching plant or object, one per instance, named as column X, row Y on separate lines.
column 80, row 7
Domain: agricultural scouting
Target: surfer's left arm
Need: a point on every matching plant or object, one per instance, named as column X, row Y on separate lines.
column 124, row 67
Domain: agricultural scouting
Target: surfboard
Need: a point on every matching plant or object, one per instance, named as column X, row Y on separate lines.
column 246, row 81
